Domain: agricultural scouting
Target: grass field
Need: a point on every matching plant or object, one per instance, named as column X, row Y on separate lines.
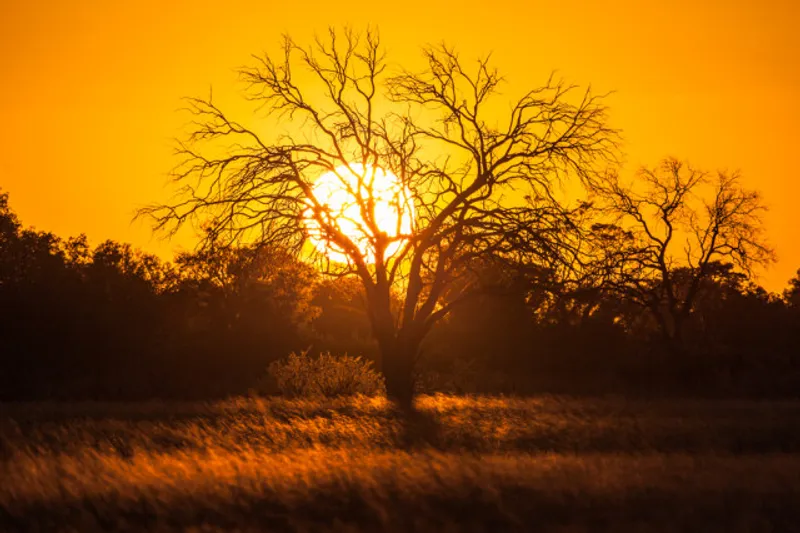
column 461, row 464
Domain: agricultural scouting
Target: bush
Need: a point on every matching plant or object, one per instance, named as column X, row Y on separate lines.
column 327, row 376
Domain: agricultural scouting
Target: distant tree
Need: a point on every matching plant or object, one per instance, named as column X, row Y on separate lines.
column 668, row 230
column 9, row 236
column 481, row 187
column 9, row 222
column 235, row 275
column 114, row 262
column 26, row 255
column 792, row 294
column 342, row 325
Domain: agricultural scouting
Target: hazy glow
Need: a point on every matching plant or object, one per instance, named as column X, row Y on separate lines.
column 89, row 89
column 343, row 192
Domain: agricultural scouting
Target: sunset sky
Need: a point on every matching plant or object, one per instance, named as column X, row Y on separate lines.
column 90, row 90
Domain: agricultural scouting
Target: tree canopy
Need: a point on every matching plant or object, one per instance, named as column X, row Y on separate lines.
column 483, row 185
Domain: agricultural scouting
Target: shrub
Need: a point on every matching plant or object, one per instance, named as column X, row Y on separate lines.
column 327, row 375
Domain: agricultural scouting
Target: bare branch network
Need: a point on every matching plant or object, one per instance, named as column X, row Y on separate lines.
column 666, row 232
column 483, row 186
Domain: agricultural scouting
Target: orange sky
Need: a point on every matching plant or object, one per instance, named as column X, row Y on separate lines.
column 90, row 89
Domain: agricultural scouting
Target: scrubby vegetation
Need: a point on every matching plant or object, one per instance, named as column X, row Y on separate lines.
column 464, row 464
column 326, row 376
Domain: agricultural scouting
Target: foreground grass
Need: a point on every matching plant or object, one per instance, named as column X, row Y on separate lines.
column 467, row 464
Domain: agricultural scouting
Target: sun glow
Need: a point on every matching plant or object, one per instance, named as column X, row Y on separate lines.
column 345, row 195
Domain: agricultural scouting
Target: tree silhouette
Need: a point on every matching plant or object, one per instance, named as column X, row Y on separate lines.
column 484, row 187
column 667, row 233
column 792, row 293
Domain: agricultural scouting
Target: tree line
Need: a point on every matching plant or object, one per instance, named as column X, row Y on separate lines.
column 112, row 322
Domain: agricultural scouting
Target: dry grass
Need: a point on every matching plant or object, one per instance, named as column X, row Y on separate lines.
column 465, row 464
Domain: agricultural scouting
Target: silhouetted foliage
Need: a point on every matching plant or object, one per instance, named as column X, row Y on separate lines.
column 792, row 294
column 112, row 322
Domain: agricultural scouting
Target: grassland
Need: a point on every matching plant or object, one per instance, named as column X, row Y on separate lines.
column 462, row 464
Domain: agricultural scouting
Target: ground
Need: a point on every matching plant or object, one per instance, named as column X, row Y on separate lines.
column 463, row 464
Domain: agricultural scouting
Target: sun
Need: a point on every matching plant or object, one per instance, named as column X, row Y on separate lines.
column 345, row 195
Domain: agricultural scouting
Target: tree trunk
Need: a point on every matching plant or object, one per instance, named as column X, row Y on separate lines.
column 398, row 347
column 397, row 364
column 670, row 333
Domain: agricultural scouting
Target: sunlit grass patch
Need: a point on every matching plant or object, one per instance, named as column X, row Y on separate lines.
column 476, row 424
column 468, row 463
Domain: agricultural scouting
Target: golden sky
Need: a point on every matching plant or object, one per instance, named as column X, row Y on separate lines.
column 90, row 89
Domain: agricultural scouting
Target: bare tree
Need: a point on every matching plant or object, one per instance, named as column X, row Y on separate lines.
column 483, row 186
column 666, row 233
